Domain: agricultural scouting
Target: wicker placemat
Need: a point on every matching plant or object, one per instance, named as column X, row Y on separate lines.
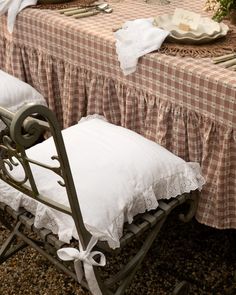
column 218, row 47
column 68, row 4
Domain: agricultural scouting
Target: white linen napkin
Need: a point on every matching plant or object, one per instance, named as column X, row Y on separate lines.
column 135, row 39
column 13, row 7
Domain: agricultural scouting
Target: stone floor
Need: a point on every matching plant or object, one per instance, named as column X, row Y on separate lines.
column 203, row 256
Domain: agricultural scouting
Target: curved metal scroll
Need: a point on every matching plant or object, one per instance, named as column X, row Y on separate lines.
column 25, row 132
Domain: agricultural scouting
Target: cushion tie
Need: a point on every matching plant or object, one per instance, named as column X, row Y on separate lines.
column 86, row 256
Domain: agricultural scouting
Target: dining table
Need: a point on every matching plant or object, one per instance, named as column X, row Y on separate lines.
column 184, row 102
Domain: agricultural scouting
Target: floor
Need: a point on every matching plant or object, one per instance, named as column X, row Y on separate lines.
column 203, row 256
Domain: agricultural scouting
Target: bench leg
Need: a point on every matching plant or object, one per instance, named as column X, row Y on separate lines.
column 4, row 221
column 181, row 289
column 10, row 246
column 126, row 275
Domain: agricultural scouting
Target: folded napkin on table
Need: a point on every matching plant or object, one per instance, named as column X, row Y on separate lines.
column 13, row 7
column 135, row 39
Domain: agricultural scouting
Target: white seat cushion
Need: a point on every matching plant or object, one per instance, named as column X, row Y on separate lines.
column 14, row 93
column 117, row 174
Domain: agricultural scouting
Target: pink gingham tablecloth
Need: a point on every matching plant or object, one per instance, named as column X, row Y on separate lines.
column 187, row 105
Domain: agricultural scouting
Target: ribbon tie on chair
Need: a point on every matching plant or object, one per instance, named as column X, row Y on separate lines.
column 86, row 256
column 13, row 7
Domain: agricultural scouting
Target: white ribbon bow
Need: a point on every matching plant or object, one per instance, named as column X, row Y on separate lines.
column 13, row 7
column 68, row 254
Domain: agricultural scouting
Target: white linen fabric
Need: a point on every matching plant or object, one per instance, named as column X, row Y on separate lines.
column 13, row 7
column 135, row 39
column 15, row 93
column 117, row 174
column 87, row 257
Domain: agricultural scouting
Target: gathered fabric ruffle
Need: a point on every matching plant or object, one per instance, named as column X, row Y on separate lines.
column 74, row 92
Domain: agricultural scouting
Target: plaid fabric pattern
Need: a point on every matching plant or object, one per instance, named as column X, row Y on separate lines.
column 187, row 105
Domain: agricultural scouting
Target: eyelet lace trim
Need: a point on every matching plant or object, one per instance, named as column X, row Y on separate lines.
column 90, row 117
column 184, row 181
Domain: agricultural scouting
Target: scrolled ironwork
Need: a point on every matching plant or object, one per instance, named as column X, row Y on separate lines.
column 8, row 144
column 55, row 169
column 24, row 131
column 10, row 163
column 10, row 159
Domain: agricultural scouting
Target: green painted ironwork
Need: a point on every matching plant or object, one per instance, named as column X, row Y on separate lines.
column 24, row 132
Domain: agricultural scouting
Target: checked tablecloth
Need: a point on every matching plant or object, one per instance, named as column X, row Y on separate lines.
column 187, row 105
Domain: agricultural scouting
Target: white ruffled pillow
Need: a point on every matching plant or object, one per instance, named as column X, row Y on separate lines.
column 117, row 174
column 15, row 93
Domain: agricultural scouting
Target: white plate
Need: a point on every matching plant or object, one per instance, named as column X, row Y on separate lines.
column 207, row 31
column 199, row 40
column 206, row 27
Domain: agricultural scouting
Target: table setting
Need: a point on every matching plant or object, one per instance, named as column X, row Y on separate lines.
column 183, row 31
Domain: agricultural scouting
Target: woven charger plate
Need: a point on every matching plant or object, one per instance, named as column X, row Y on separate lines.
column 61, row 4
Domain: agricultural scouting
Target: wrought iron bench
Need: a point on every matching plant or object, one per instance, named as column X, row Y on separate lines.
column 24, row 132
